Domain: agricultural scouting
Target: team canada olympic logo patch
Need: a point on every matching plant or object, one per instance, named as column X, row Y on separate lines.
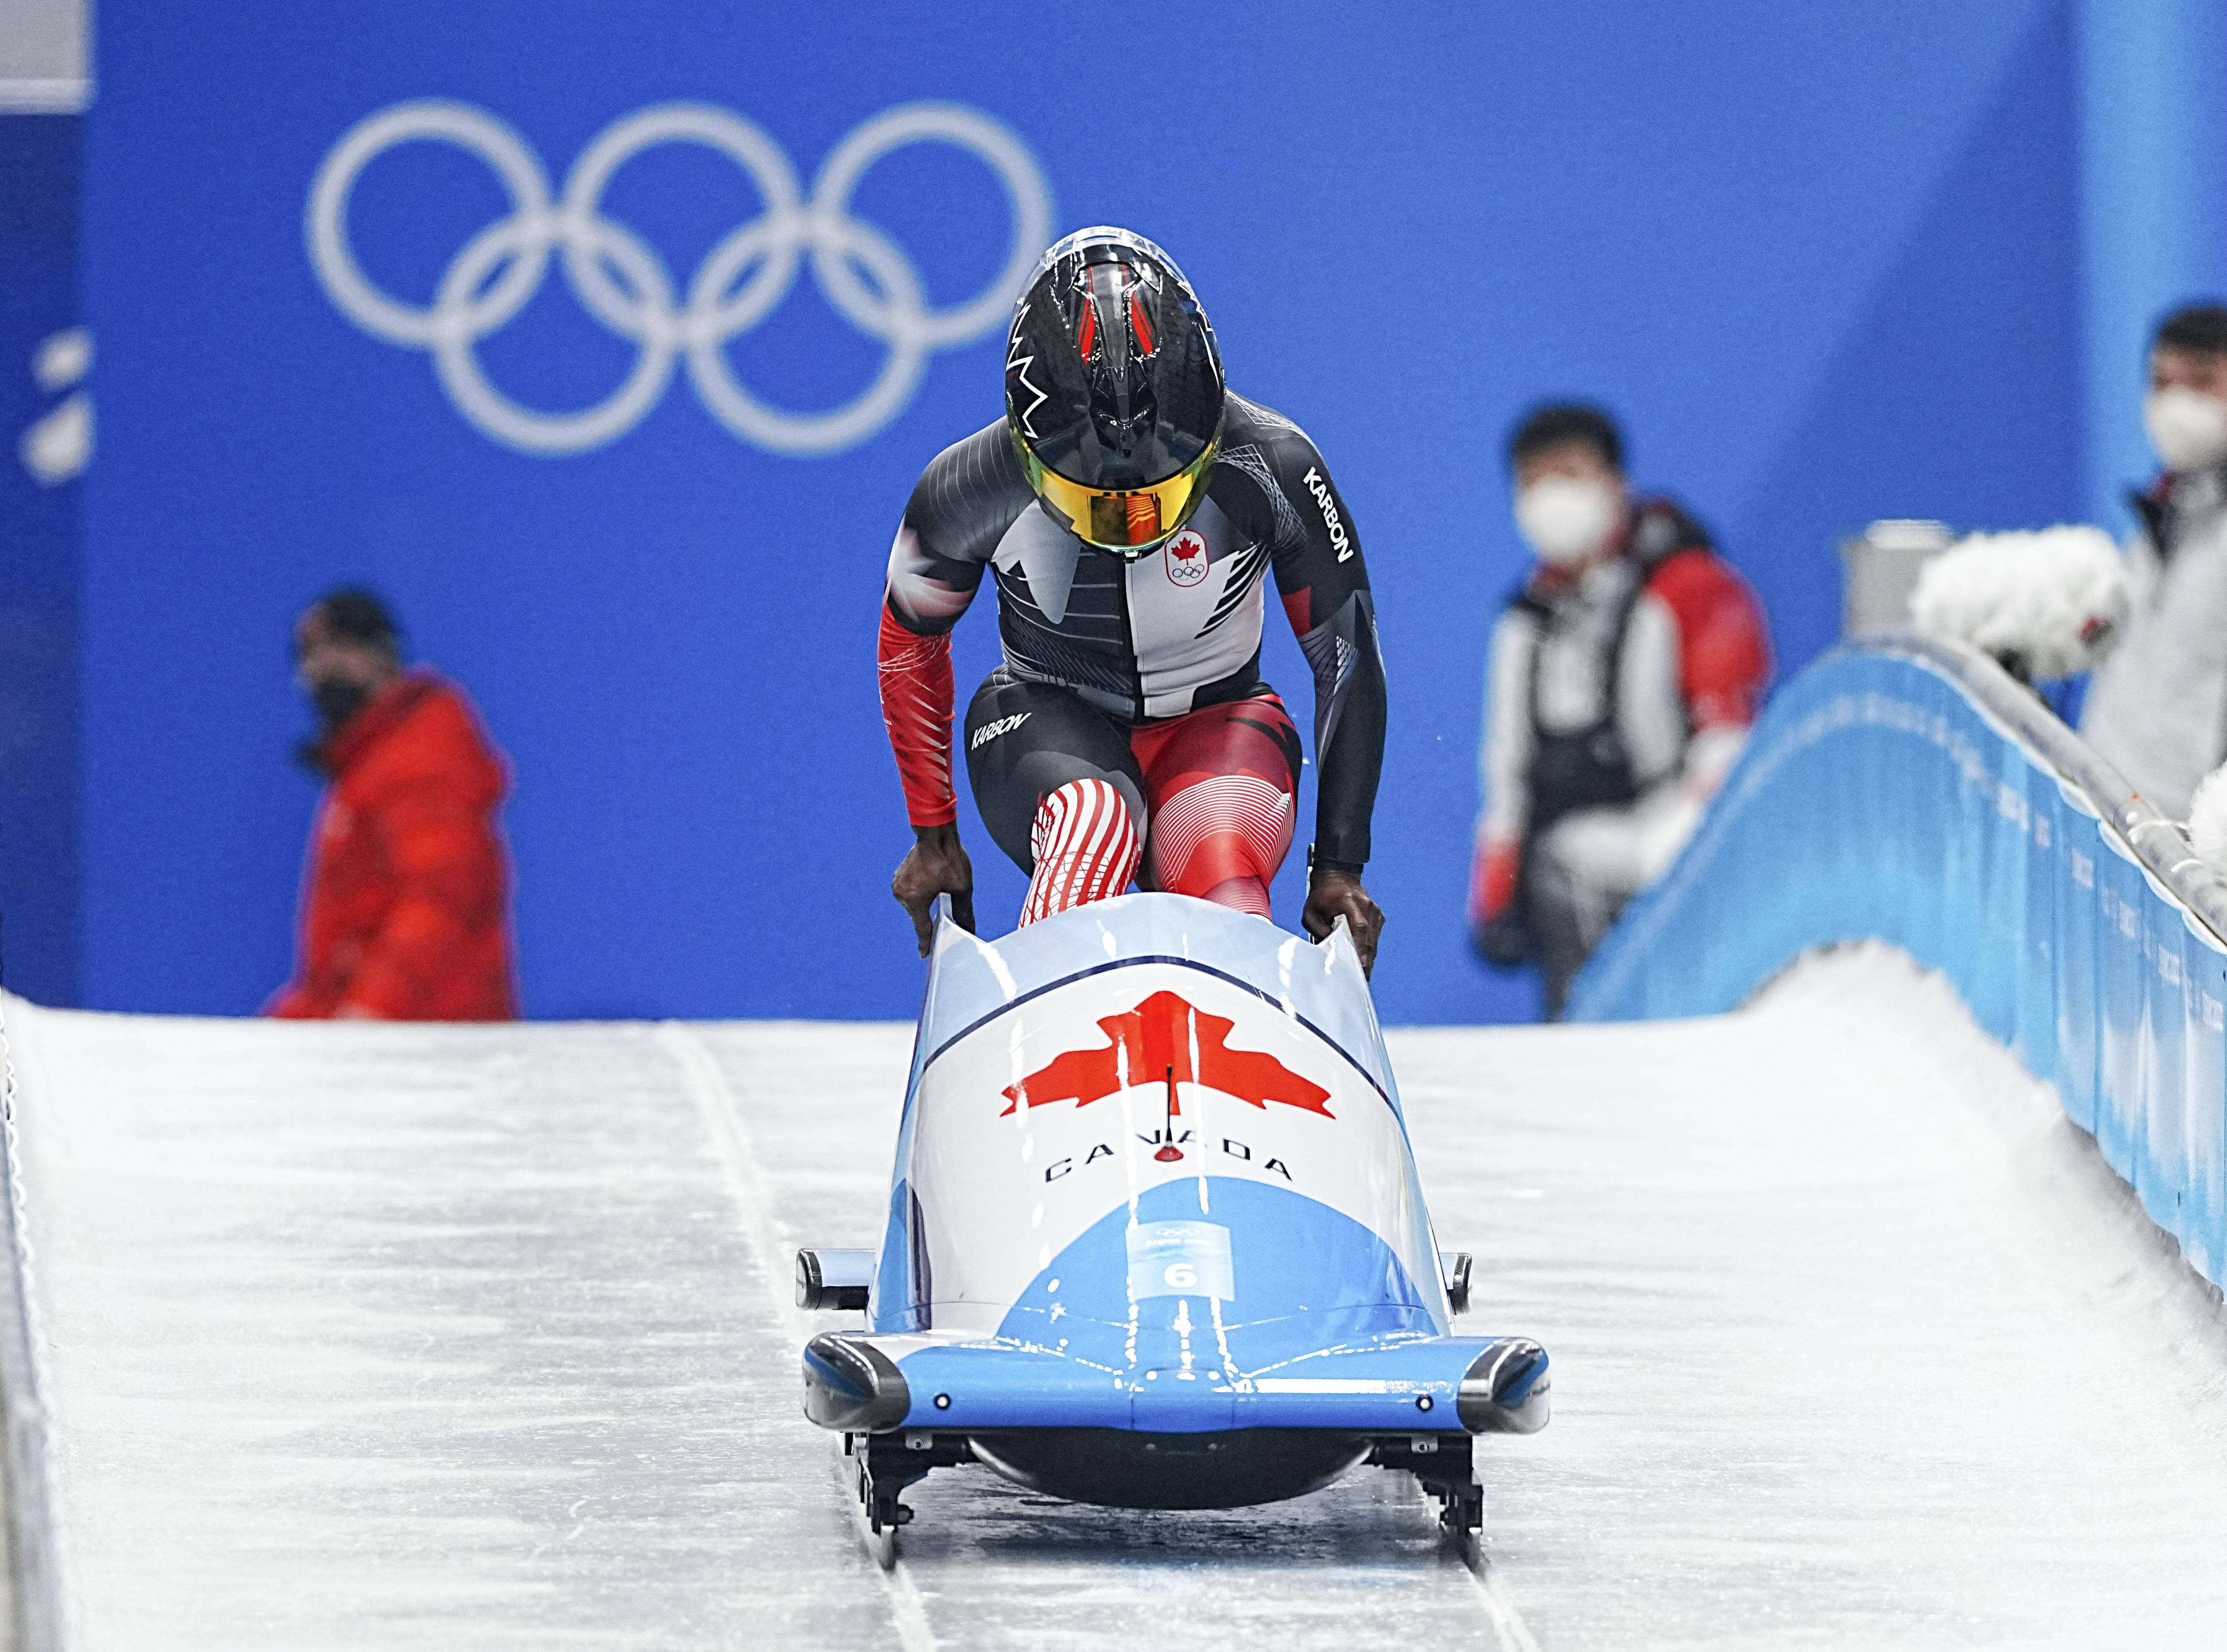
column 1186, row 557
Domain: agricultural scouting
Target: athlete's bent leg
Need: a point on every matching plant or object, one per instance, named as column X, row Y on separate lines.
column 1086, row 848
column 1222, row 784
column 1059, row 789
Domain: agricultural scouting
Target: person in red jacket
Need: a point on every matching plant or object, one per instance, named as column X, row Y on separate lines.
column 1622, row 680
column 405, row 905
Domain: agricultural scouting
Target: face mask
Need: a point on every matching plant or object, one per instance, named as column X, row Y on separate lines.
column 337, row 702
column 1566, row 520
column 2188, row 429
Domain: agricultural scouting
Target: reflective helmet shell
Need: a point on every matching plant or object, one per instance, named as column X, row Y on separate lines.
column 1114, row 389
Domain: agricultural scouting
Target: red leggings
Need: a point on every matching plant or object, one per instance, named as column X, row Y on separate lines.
column 1071, row 794
column 1222, row 797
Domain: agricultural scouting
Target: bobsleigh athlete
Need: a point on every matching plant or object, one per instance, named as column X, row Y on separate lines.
column 1131, row 507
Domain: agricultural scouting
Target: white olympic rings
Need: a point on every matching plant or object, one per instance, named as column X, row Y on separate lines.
column 624, row 285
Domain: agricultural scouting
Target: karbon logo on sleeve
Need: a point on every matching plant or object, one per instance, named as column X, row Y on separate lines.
column 624, row 285
column 1335, row 524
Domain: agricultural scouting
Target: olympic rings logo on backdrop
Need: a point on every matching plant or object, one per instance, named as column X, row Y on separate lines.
column 621, row 282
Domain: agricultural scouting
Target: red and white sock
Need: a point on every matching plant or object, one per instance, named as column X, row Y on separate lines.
column 1085, row 845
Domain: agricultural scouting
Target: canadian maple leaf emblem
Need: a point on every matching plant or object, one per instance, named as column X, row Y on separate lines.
column 1158, row 1040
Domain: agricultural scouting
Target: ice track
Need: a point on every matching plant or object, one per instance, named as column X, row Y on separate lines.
column 373, row 1336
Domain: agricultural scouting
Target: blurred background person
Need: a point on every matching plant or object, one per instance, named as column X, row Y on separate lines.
column 1622, row 681
column 2046, row 605
column 2157, row 707
column 405, row 901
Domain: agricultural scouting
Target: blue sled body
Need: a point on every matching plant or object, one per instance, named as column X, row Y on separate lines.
column 1155, row 1236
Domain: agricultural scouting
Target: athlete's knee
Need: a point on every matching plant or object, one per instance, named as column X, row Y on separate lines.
column 1246, row 894
column 1087, row 845
column 1222, row 828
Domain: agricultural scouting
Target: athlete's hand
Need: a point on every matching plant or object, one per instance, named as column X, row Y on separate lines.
column 1335, row 895
column 936, row 865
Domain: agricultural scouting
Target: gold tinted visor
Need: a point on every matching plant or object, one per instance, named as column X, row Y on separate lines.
column 1126, row 519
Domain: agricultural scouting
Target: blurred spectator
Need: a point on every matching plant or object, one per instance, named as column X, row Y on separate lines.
column 2207, row 823
column 2047, row 605
column 405, row 904
column 2157, row 708
column 1622, row 680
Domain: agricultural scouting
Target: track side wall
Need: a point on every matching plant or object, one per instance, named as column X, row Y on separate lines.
column 1916, row 795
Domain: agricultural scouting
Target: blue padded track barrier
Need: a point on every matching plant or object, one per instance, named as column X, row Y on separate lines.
column 1913, row 793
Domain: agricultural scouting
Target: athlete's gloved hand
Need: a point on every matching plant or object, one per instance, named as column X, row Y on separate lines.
column 936, row 865
column 1332, row 895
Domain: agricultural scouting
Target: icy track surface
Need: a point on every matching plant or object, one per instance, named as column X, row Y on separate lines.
column 372, row 1336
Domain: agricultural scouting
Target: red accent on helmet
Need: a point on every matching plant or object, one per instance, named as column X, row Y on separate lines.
column 1089, row 328
column 1138, row 325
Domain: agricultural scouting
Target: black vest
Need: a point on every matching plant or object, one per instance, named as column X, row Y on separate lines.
column 1587, row 767
column 1590, row 768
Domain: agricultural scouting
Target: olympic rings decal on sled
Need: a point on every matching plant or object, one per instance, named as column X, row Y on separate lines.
column 623, row 283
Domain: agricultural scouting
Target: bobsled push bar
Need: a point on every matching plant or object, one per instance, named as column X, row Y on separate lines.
column 1155, row 1237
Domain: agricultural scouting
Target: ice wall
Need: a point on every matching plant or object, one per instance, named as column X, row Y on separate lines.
column 1914, row 793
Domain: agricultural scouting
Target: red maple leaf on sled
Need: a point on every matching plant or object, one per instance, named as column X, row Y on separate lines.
column 1156, row 1039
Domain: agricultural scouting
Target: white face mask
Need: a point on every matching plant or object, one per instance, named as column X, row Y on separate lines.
column 1565, row 520
column 2188, row 429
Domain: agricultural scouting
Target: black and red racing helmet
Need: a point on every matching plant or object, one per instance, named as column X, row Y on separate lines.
column 1114, row 389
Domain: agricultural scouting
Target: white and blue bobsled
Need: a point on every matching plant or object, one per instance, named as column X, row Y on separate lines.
column 1155, row 1236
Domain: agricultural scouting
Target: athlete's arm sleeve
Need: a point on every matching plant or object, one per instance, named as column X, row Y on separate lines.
column 916, row 704
column 1324, row 585
column 923, row 599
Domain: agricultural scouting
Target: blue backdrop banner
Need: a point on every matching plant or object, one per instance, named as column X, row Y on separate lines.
column 608, row 341
column 46, row 434
column 1920, row 798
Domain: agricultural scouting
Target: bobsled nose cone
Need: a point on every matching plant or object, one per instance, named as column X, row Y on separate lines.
column 849, row 1383
column 1506, row 1389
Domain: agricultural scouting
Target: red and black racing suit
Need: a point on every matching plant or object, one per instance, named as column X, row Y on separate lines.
column 1136, row 685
